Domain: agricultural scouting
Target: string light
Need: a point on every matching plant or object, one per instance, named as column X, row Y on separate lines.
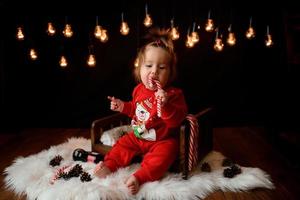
column 68, row 32
column 189, row 40
column 136, row 62
column 50, row 30
column 104, row 35
column 124, row 29
column 91, row 61
column 33, row 54
column 218, row 46
column 268, row 41
column 195, row 36
column 63, row 62
column 231, row 40
column 174, row 31
column 20, row 34
column 98, row 30
column 250, row 33
column 147, row 21
column 209, row 26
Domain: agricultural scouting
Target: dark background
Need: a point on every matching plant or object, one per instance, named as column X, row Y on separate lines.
column 247, row 84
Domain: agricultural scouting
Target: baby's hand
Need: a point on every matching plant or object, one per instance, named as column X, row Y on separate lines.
column 162, row 95
column 116, row 104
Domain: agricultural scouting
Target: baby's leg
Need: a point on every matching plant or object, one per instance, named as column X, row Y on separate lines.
column 101, row 170
column 133, row 184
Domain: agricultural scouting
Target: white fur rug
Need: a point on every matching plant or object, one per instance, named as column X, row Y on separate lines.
column 31, row 176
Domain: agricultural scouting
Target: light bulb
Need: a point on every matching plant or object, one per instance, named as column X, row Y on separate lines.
column 68, row 31
column 33, row 54
column 63, row 62
column 124, row 28
column 104, row 35
column 269, row 41
column 98, row 31
column 136, row 62
column 175, row 33
column 250, row 33
column 20, row 35
column 51, row 30
column 218, row 46
column 189, row 41
column 195, row 37
column 231, row 40
column 91, row 60
column 147, row 20
column 209, row 27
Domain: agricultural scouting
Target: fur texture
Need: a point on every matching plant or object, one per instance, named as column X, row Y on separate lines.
column 31, row 176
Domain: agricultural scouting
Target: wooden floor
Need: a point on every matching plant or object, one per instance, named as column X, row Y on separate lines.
column 244, row 145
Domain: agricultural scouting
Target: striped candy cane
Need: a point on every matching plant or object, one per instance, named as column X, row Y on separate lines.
column 193, row 142
column 57, row 172
column 155, row 82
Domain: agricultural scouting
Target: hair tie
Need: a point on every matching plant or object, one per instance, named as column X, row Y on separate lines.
column 158, row 42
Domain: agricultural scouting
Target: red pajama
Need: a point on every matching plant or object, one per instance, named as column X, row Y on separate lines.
column 160, row 148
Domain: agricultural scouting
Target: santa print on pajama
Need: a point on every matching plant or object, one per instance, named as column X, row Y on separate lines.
column 152, row 136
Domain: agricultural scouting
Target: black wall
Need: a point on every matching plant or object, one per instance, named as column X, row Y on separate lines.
column 247, row 84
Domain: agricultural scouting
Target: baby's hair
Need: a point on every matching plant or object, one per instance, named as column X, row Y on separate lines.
column 157, row 38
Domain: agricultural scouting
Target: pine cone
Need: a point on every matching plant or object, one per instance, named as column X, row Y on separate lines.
column 85, row 177
column 232, row 171
column 236, row 170
column 228, row 173
column 56, row 161
column 63, row 175
column 75, row 171
column 205, row 167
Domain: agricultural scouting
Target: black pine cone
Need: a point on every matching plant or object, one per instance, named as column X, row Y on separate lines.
column 85, row 177
column 205, row 167
column 63, row 175
column 232, row 171
column 55, row 161
column 236, row 170
column 75, row 171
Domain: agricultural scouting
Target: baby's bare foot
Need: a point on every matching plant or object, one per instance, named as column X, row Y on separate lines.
column 101, row 170
column 133, row 184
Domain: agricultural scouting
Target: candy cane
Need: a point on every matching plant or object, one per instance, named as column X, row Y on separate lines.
column 193, row 142
column 57, row 172
column 156, row 82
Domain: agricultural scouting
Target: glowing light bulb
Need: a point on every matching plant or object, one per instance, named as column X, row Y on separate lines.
column 269, row 41
column 33, row 54
column 68, row 31
column 91, row 60
column 147, row 20
column 136, row 62
column 209, row 26
column 195, row 37
column 50, row 30
column 175, row 34
column 250, row 33
column 98, row 31
column 63, row 62
column 218, row 46
column 20, row 35
column 231, row 40
column 189, row 41
column 104, row 35
column 124, row 28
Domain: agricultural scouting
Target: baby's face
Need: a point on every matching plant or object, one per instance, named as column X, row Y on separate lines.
column 156, row 64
